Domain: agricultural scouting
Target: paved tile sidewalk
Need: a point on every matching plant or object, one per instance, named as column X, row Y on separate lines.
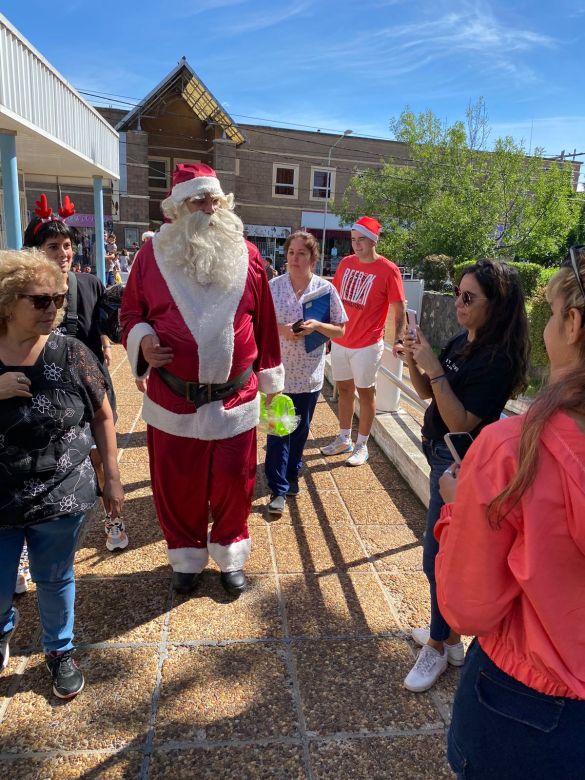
column 299, row 678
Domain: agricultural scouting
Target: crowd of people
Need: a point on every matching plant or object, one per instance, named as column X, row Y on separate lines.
column 205, row 330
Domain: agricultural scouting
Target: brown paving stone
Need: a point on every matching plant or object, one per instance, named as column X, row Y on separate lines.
column 120, row 766
column 335, row 604
column 266, row 762
column 355, row 685
column 28, row 630
column 410, row 597
column 238, row 691
column 381, row 475
column 111, row 712
column 381, row 507
column 317, row 508
column 10, row 678
column 129, row 609
column 393, row 548
column 146, row 552
column 209, row 613
column 315, row 549
column 380, row 758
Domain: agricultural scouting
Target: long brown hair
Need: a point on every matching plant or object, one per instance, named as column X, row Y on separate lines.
column 565, row 394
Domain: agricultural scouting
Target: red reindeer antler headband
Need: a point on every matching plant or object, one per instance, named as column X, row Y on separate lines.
column 45, row 213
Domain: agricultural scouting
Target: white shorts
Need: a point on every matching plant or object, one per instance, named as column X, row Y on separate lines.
column 361, row 364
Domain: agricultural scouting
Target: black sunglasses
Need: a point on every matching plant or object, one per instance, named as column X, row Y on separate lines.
column 572, row 261
column 467, row 297
column 44, row 301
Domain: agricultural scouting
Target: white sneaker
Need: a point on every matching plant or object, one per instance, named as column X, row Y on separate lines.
column 116, row 537
column 5, row 642
column 455, row 653
column 359, row 457
column 338, row 446
column 22, row 580
column 429, row 666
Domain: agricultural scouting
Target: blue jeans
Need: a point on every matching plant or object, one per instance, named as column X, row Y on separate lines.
column 284, row 454
column 439, row 459
column 503, row 729
column 51, row 550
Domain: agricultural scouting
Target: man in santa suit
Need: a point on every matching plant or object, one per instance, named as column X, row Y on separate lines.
column 198, row 319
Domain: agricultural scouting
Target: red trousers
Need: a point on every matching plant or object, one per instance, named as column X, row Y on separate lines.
column 192, row 478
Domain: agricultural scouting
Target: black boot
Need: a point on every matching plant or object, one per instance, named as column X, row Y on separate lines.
column 234, row 582
column 183, row 582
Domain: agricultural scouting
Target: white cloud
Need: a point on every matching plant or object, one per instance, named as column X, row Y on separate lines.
column 264, row 19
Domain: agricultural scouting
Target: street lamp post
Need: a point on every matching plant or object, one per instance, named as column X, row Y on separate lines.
column 327, row 194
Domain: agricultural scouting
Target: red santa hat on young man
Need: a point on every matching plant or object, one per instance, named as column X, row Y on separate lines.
column 194, row 181
column 368, row 227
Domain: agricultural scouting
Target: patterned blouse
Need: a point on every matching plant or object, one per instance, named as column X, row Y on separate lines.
column 45, row 468
column 303, row 371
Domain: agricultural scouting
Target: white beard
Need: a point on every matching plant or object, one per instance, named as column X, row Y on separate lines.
column 208, row 248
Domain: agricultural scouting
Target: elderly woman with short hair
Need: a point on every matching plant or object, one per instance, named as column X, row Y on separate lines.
column 53, row 399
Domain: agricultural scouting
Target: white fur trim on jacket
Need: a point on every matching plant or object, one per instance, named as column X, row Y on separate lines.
column 195, row 188
column 210, row 422
column 138, row 332
column 208, row 313
column 230, row 557
column 271, row 380
column 189, row 560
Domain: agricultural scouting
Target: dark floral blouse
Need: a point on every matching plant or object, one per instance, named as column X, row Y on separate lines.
column 45, row 468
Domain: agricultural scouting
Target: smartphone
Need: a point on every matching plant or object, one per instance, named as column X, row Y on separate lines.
column 297, row 326
column 458, row 444
column 411, row 322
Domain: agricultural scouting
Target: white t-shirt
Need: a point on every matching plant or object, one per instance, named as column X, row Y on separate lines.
column 303, row 371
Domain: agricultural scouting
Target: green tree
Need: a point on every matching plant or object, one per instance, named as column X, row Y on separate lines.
column 455, row 197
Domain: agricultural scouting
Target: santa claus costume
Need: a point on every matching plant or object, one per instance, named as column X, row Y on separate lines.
column 201, row 290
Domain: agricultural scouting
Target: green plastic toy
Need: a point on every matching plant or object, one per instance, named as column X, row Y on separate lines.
column 280, row 418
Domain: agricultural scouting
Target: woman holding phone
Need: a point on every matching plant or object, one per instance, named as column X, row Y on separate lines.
column 511, row 570
column 469, row 385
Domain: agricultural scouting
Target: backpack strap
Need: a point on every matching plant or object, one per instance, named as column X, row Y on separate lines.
column 71, row 318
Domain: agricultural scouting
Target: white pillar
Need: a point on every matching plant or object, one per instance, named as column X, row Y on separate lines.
column 387, row 393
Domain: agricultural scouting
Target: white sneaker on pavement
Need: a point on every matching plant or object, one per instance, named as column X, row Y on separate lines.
column 5, row 642
column 359, row 457
column 429, row 666
column 455, row 653
column 338, row 446
column 116, row 536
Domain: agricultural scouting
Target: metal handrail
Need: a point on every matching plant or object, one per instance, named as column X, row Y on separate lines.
column 416, row 401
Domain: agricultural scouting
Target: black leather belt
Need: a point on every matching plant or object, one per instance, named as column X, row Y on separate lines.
column 201, row 394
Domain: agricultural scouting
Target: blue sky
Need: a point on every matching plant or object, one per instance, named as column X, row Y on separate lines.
column 333, row 64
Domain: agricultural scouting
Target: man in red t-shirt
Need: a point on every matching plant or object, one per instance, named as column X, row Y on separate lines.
column 368, row 285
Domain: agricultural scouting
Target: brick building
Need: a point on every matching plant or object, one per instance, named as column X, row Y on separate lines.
column 280, row 177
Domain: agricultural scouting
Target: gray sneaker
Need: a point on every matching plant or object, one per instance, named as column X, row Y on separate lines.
column 338, row 446
column 5, row 640
column 276, row 505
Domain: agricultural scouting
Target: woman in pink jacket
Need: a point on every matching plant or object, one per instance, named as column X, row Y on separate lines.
column 511, row 570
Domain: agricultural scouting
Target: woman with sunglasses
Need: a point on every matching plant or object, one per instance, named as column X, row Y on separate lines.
column 54, row 399
column 469, row 385
column 511, row 570
column 55, row 238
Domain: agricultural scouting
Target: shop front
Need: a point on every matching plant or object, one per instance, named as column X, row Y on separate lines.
column 270, row 241
column 337, row 237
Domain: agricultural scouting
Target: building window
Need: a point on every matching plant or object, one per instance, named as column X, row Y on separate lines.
column 158, row 173
column 322, row 183
column 285, row 181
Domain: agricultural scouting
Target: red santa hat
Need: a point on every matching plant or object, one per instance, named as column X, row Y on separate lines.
column 368, row 227
column 194, row 181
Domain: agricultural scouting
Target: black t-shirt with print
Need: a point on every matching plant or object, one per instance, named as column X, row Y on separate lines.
column 45, row 469
column 482, row 382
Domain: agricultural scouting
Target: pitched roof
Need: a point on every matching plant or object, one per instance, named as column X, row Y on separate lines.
column 194, row 92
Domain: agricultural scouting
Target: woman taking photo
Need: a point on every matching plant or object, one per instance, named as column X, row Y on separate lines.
column 53, row 400
column 511, row 571
column 469, row 385
column 303, row 370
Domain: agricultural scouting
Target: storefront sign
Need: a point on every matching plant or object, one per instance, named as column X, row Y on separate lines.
column 267, row 231
column 86, row 220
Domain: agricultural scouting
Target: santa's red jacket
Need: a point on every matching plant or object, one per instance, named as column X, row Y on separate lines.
column 215, row 335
